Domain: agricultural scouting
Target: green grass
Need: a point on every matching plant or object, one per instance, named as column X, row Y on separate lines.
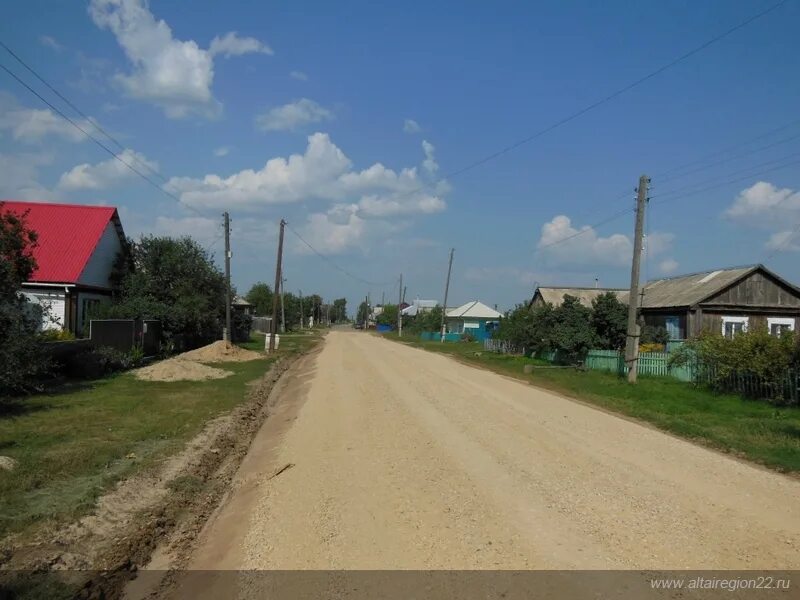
column 74, row 443
column 750, row 429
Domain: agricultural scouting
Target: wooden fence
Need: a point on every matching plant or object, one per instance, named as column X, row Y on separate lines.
column 500, row 346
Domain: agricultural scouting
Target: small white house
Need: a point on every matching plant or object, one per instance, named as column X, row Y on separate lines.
column 474, row 318
column 76, row 249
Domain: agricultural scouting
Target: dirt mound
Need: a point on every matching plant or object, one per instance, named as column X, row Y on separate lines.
column 220, row 352
column 177, row 369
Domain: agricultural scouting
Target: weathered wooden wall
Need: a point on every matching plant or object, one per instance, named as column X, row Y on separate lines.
column 759, row 290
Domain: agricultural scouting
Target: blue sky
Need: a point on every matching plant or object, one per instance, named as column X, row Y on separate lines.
column 346, row 120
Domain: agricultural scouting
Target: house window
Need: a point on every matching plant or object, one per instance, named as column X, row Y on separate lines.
column 673, row 327
column 777, row 325
column 733, row 325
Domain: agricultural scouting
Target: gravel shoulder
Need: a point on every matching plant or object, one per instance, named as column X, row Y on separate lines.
column 403, row 459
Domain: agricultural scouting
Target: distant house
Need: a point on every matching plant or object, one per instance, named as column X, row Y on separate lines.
column 419, row 306
column 474, row 318
column 725, row 300
column 555, row 295
column 241, row 305
column 75, row 255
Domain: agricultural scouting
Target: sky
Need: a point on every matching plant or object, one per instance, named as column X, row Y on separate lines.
column 377, row 131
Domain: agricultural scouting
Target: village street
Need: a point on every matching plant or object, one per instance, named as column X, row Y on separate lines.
column 405, row 459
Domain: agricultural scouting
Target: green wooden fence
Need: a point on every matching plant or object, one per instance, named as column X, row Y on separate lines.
column 650, row 363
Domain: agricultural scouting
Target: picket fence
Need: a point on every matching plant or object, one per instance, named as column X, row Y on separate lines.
column 786, row 390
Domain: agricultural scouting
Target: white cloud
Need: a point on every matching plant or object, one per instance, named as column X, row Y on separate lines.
column 334, row 232
column 173, row 74
column 765, row 205
column 668, row 266
column 322, row 172
column 105, row 174
column 222, row 151
column 658, row 243
column 50, row 42
column 411, row 126
column 19, row 177
column 33, row 124
column 231, row 44
column 584, row 247
column 785, row 241
column 299, row 75
column 429, row 164
column 293, row 115
column 202, row 229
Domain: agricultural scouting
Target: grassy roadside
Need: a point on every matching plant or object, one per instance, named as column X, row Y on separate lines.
column 757, row 431
column 74, row 443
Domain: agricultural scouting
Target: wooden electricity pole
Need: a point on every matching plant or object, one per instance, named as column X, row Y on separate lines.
column 227, row 336
column 632, row 342
column 283, row 306
column 446, row 290
column 274, row 325
column 399, row 308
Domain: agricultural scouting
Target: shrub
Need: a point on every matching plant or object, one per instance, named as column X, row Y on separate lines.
column 720, row 360
column 241, row 324
column 56, row 335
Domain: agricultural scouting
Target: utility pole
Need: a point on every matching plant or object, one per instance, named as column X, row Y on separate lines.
column 283, row 308
column 400, row 310
column 632, row 342
column 274, row 324
column 300, row 293
column 227, row 335
column 446, row 290
column 366, row 313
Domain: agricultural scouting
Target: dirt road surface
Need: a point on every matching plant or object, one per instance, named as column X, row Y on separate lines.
column 404, row 459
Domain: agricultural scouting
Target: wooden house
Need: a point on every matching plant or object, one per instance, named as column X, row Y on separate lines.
column 725, row 300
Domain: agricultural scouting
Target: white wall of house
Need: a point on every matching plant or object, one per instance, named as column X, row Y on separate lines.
column 53, row 303
column 98, row 268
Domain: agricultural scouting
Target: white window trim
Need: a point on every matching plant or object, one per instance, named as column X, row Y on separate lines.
column 780, row 321
column 744, row 320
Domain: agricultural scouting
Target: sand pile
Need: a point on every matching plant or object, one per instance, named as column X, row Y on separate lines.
column 177, row 369
column 220, row 352
column 187, row 367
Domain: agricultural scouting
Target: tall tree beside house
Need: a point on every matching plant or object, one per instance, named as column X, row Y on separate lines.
column 175, row 281
column 388, row 315
column 573, row 334
column 339, row 310
column 261, row 297
column 21, row 360
column 609, row 321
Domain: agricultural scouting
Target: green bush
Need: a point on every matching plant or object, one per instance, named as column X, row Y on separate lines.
column 720, row 360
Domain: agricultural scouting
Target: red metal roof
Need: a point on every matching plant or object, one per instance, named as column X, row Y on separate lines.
column 68, row 235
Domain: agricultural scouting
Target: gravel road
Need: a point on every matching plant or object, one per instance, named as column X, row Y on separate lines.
column 405, row 459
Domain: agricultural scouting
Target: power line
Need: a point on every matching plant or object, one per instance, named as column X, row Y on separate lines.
column 333, row 264
column 96, row 141
column 90, row 120
column 597, row 103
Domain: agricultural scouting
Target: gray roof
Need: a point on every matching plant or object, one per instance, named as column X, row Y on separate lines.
column 688, row 290
column 555, row 295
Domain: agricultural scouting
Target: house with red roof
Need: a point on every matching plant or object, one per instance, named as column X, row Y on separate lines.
column 76, row 251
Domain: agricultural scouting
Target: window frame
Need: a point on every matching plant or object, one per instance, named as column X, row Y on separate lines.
column 743, row 319
column 790, row 321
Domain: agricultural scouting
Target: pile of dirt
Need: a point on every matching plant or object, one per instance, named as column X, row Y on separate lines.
column 177, row 369
column 220, row 352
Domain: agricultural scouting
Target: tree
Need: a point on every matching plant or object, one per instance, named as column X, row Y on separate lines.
column 363, row 312
column 260, row 296
column 609, row 320
column 388, row 316
column 530, row 329
column 175, row 281
column 22, row 362
column 339, row 310
column 573, row 334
